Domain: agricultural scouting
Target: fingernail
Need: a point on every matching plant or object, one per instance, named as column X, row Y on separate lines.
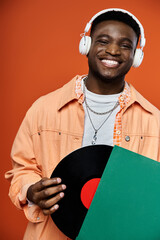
column 55, row 207
column 58, row 180
column 63, row 186
column 61, row 194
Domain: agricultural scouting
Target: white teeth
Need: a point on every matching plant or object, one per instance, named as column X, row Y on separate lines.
column 110, row 63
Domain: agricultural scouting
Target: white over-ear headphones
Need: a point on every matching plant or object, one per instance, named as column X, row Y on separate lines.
column 85, row 43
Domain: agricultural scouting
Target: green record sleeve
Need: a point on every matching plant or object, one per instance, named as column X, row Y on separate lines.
column 126, row 205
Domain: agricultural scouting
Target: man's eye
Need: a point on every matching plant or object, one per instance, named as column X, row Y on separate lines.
column 102, row 42
column 127, row 46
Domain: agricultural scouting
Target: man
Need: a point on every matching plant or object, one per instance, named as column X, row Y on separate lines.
column 100, row 108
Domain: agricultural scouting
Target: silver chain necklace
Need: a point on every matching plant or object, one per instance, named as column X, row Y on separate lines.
column 88, row 108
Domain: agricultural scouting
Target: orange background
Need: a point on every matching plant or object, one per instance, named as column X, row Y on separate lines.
column 39, row 50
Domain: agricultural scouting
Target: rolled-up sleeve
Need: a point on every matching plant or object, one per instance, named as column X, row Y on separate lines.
column 25, row 170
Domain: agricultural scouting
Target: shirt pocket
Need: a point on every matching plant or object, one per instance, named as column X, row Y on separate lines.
column 144, row 144
column 51, row 146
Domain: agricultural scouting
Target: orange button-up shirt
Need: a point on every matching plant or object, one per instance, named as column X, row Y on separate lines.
column 52, row 128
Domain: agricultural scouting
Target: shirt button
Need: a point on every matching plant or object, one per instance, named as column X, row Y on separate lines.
column 127, row 138
column 118, row 132
column 122, row 98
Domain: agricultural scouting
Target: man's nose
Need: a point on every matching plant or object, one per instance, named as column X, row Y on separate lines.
column 113, row 49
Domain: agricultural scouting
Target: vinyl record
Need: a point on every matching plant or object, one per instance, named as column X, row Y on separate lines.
column 80, row 171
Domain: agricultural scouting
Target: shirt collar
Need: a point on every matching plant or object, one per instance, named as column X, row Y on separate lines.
column 137, row 97
column 73, row 91
column 124, row 98
column 68, row 92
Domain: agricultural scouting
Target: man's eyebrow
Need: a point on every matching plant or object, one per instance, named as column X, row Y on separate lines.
column 103, row 35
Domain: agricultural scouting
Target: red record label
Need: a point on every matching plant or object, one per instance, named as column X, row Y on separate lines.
column 88, row 191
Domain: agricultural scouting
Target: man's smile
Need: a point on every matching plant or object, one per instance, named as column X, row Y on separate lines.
column 110, row 63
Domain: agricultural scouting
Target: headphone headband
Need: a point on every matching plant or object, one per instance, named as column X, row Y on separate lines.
column 85, row 43
column 142, row 39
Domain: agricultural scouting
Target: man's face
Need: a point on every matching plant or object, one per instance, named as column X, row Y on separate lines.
column 112, row 50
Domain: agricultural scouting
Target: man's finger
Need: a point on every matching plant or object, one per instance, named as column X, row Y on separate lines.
column 46, row 204
column 51, row 210
column 45, row 182
column 49, row 191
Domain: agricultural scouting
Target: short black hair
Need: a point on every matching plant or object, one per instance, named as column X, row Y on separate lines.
column 117, row 16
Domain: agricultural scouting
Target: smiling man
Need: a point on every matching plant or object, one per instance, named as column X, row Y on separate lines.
column 97, row 108
column 110, row 56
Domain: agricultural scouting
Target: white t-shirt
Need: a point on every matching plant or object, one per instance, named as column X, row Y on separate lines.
column 99, row 103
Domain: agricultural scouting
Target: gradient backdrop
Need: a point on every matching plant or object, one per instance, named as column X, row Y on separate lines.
column 39, row 50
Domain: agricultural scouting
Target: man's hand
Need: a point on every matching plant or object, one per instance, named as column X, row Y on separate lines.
column 40, row 193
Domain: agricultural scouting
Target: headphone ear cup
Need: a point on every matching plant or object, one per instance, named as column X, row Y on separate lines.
column 138, row 57
column 84, row 45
